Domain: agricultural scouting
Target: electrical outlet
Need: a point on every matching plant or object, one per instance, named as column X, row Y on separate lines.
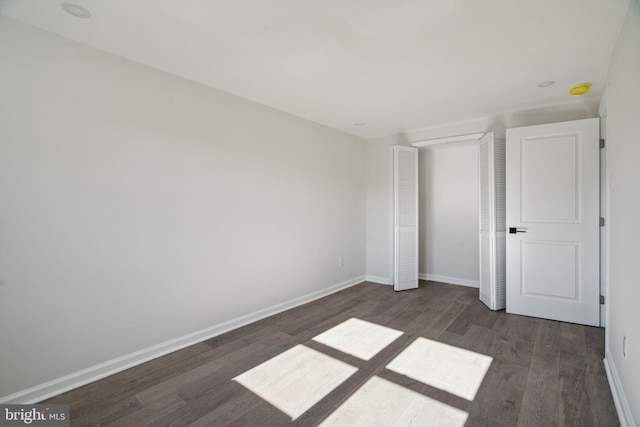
column 625, row 347
column 341, row 261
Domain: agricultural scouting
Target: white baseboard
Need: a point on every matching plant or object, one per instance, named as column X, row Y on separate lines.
column 377, row 279
column 619, row 398
column 450, row 280
column 85, row 376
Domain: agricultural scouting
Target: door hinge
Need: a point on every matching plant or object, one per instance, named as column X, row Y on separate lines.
column 601, row 222
column 602, row 143
column 601, row 299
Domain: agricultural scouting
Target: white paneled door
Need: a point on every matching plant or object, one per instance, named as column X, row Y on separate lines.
column 553, row 221
column 405, row 217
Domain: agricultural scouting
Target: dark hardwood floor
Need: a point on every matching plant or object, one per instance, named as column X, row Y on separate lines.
column 543, row 373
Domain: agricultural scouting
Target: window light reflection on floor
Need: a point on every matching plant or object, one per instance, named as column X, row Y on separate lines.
column 452, row 369
column 383, row 403
column 294, row 381
column 297, row 379
column 358, row 337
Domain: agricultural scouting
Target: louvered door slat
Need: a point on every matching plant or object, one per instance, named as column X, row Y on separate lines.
column 405, row 217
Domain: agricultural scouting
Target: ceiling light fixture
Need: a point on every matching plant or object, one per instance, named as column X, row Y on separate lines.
column 580, row 89
column 547, row 83
column 75, row 10
column 359, row 124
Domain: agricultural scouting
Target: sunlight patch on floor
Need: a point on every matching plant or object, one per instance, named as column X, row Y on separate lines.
column 452, row 369
column 383, row 403
column 297, row 379
column 359, row 338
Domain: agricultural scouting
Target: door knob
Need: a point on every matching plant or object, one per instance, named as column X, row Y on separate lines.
column 514, row 230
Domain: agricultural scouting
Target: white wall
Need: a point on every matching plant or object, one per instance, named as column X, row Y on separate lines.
column 623, row 154
column 378, row 199
column 137, row 207
column 377, row 166
column 449, row 237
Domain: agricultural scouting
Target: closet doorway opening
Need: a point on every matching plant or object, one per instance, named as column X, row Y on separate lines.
column 449, row 213
column 461, row 235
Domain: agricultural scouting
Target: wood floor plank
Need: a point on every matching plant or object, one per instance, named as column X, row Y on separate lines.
column 480, row 340
column 196, row 381
column 131, row 383
column 476, row 314
column 361, row 310
column 595, row 350
column 263, row 415
column 572, row 338
column 318, row 315
column 602, row 408
column 148, row 414
column 226, row 413
column 540, row 402
column 541, row 372
column 574, row 402
column 499, row 399
column 106, row 416
column 436, row 326
column 109, row 390
column 515, row 338
column 547, row 340
column 218, row 406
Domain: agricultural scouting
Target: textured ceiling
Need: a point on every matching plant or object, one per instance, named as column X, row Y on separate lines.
column 394, row 65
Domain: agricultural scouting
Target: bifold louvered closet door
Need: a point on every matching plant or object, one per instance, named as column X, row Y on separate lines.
column 405, row 217
column 492, row 221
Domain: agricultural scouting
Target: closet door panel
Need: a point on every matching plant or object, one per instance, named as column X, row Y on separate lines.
column 405, row 217
column 487, row 294
column 492, row 221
